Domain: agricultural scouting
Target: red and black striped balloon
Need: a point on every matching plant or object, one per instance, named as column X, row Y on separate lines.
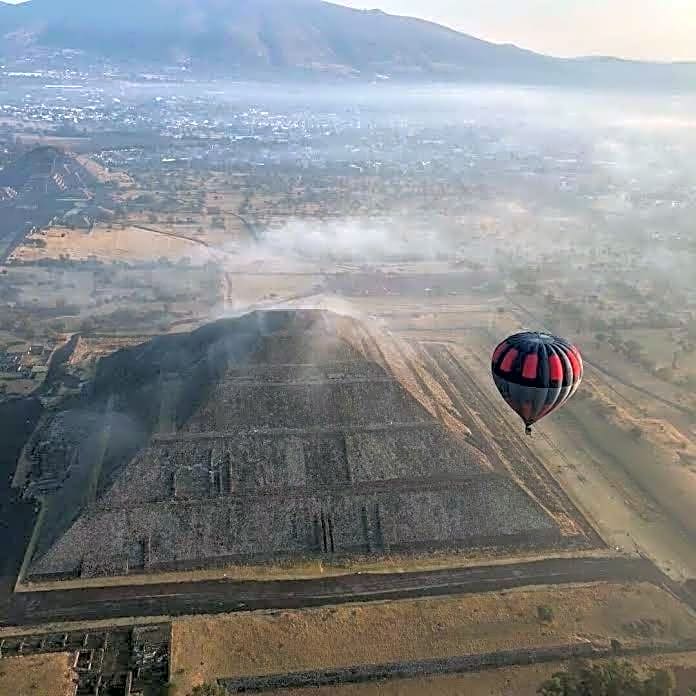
column 536, row 373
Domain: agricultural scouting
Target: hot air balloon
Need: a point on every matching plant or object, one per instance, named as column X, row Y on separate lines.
column 536, row 373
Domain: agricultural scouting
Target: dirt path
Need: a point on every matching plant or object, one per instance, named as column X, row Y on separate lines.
column 174, row 235
column 212, row 597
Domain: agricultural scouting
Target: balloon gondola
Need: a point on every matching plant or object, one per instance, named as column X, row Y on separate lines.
column 536, row 373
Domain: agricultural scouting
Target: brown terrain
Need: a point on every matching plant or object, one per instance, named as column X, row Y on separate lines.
column 47, row 675
column 108, row 243
column 244, row 645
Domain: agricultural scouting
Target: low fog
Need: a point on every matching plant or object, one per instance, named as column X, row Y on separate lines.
column 357, row 241
column 571, row 189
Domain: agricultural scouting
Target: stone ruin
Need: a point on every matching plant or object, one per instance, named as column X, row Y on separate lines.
column 279, row 435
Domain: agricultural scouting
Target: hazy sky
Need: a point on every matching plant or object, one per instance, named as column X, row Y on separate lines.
column 650, row 29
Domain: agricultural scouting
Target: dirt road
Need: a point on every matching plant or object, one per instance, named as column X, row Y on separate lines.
column 177, row 599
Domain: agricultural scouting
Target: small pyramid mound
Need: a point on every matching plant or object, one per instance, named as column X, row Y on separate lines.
column 46, row 171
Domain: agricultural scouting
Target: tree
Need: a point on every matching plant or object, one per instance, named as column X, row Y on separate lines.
column 545, row 613
column 636, row 432
column 87, row 325
column 691, row 329
column 528, row 287
column 210, row 689
column 607, row 679
column 633, row 350
column 163, row 690
column 24, row 328
column 661, row 683
column 666, row 374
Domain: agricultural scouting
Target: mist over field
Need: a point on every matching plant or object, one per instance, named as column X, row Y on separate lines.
column 551, row 170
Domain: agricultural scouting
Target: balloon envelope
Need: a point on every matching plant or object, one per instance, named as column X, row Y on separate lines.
column 536, row 373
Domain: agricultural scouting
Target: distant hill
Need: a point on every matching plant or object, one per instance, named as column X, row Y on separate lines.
column 300, row 37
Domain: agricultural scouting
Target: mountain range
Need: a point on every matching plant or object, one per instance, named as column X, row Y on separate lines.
column 283, row 38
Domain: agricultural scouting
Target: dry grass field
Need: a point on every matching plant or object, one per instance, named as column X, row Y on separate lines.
column 115, row 244
column 104, row 175
column 92, row 349
column 286, row 641
column 37, row 675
